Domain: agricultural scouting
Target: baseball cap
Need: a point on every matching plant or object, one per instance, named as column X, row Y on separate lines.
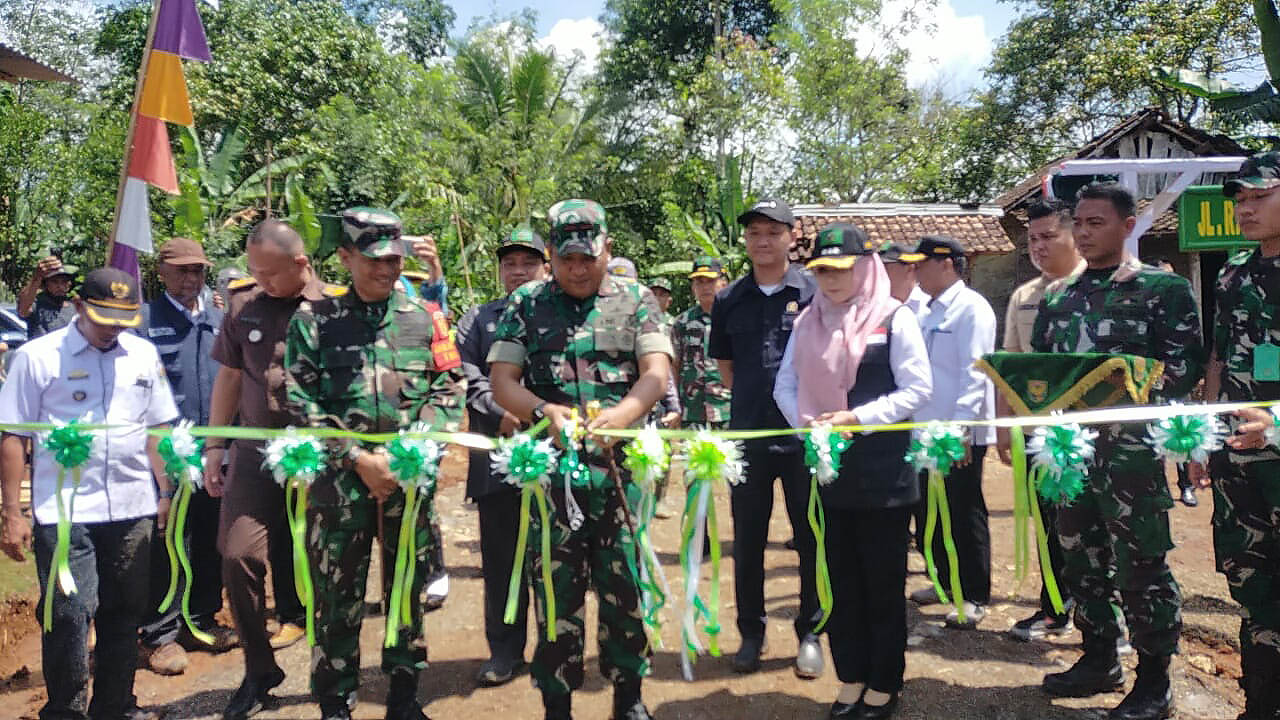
column 892, row 252
column 1260, row 172
column 578, row 226
column 68, row 270
column 111, row 298
column 939, row 246
column 182, row 251
column 771, row 208
column 839, row 245
column 622, row 267
column 375, row 233
column 659, row 283
column 523, row 238
column 707, row 266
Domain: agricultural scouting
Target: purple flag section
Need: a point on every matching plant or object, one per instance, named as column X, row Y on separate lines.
column 179, row 30
column 125, row 258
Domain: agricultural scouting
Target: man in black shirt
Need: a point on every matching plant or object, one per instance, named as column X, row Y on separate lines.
column 45, row 302
column 751, row 321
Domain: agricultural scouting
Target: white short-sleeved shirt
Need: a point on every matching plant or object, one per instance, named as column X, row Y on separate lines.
column 61, row 377
column 959, row 327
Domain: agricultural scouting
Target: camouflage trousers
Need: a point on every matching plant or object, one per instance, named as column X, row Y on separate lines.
column 1246, row 544
column 342, row 522
column 594, row 555
column 1114, row 539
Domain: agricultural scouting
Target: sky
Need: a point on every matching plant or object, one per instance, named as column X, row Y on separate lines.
column 955, row 40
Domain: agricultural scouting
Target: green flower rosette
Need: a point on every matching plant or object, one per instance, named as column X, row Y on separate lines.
column 648, row 457
column 184, row 465
column 823, row 449
column 70, row 445
column 415, row 462
column 295, row 461
column 936, row 449
column 1190, row 437
column 527, row 464
column 709, row 459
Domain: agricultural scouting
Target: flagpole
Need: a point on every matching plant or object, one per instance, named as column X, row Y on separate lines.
column 133, row 126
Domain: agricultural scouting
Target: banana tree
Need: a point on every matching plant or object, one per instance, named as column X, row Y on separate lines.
column 1261, row 103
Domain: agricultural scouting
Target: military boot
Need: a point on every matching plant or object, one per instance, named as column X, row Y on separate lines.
column 1097, row 671
column 402, row 696
column 1152, row 696
column 558, row 707
column 627, row 704
column 334, row 710
column 1260, row 667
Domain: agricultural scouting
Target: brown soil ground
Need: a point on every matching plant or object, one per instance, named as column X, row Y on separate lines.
column 950, row 674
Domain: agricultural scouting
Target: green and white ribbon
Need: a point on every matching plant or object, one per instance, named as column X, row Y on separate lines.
column 572, row 469
column 1184, row 438
column 823, row 448
column 527, row 463
column 295, row 461
column 415, row 463
column 708, row 459
column 70, row 444
column 937, row 448
column 184, row 465
column 1060, row 457
column 648, row 457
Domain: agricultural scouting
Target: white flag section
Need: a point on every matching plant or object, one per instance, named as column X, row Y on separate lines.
column 135, row 217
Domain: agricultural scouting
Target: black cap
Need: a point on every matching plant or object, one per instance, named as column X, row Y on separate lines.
column 892, row 252
column 939, row 246
column 707, row 266
column 839, row 245
column 1261, row 172
column 111, row 298
column 523, row 238
column 771, row 208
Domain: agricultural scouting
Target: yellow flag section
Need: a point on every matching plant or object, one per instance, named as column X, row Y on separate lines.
column 164, row 91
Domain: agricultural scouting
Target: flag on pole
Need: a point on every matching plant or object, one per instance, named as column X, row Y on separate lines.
column 176, row 33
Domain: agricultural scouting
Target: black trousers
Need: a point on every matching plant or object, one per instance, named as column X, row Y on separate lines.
column 1049, row 514
column 109, row 562
column 752, row 505
column 969, row 529
column 867, row 552
column 160, row 628
column 499, row 522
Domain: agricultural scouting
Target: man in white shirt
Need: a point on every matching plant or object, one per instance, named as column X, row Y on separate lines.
column 900, row 262
column 95, row 371
column 959, row 327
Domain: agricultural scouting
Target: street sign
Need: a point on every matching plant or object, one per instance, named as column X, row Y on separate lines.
column 1207, row 221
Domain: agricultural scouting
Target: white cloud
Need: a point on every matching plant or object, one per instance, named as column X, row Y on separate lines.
column 584, row 35
column 946, row 48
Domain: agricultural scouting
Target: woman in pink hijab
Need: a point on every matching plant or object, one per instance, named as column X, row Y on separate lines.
column 857, row 357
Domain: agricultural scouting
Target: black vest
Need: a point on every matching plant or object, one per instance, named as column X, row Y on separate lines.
column 874, row 472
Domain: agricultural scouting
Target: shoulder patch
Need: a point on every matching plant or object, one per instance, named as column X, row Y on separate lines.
column 334, row 290
column 242, row 283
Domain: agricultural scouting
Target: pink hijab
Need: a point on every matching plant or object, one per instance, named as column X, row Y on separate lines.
column 830, row 339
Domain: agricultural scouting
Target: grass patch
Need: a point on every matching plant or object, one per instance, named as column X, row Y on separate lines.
column 18, row 579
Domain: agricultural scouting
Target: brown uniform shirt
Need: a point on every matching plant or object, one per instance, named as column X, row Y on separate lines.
column 252, row 341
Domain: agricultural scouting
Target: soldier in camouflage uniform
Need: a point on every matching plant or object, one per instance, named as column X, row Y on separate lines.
column 1245, row 365
column 581, row 340
column 1115, row 535
column 372, row 361
column 706, row 399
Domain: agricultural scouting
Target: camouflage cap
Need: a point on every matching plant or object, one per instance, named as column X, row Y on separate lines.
column 578, row 226
column 375, row 233
column 622, row 267
column 1260, row 172
column 659, row 283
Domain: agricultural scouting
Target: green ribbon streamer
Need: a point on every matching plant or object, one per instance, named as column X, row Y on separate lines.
column 1021, row 509
column 937, row 486
column 1042, row 547
column 526, row 464
column 60, row 573
column 548, row 588
column 818, row 522
column 401, row 602
column 184, row 470
column 295, row 510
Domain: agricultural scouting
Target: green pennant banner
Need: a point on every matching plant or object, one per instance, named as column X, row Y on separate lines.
column 1039, row 383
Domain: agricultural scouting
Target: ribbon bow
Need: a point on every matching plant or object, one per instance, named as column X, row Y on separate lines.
column 1183, row 438
column 526, row 463
column 70, row 444
column 937, row 448
column 295, row 461
column 184, row 464
column 647, row 457
column 823, row 449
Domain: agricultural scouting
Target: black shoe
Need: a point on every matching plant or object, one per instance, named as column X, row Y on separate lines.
column 1097, row 671
column 137, row 713
column 252, row 695
column 402, row 696
column 875, row 712
column 1151, row 697
column 1189, row 497
column 498, row 671
column 747, row 659
column 558, row 707
column 330, row 710
column 1259, row 667
column 627, row 704
column 843, row 710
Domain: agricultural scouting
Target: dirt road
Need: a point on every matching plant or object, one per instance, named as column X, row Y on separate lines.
column 950, row 674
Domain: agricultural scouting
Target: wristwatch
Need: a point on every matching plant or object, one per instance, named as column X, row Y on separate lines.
column 167, row 494
column 537, row 413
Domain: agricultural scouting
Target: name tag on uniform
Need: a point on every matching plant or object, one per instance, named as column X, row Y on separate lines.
column 160, row 331
column 78, row 375
column 1266, row 363
column 143, row 381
